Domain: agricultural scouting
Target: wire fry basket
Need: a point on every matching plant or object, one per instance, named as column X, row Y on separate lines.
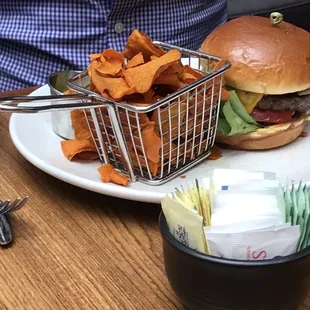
column 185, row 122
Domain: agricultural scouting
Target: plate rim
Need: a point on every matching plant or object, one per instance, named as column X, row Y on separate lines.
column 91, row 185
column 153, row 196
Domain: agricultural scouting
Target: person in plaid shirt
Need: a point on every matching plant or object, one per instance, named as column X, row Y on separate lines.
column 42, row 37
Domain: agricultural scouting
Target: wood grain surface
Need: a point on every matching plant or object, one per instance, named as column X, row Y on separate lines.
column 74, row 249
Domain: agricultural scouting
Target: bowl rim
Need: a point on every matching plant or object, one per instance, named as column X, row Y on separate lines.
column 164, row 230
column 49, row 83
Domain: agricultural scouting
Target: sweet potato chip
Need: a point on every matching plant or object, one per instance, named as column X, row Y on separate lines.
column 116, row 87
column 215, row 153
column 172, row 80
column 109, row 174
column 69, row 92
column 176, row 114
column 171, row 76
column 71, row 148
column 88, row 155
column 142, row 120
column 79, row 123
column 189, row 74
column 141, row 78
column 149, row 75
column 94, row 56
column 137, row 60
column 151, row 142
column 109, row 66
column 225, row 95
column 140, row 42
column 156, row 98
column 219, row 65
column 148, row 96
column 153, row 167
column 110, row 53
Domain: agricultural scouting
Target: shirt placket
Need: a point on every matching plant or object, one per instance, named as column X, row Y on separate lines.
column 117, row 23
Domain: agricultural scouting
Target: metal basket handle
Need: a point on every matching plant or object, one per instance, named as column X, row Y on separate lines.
column 64, row 102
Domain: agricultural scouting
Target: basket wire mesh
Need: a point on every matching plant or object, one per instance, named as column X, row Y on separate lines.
column 185, row 122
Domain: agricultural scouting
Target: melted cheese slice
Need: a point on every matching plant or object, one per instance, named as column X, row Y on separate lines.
column 249, row 100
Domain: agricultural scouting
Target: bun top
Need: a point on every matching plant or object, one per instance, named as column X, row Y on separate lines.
column 265, row 58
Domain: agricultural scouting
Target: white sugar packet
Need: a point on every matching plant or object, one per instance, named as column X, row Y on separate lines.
column 247, row 185
column 256, row 225
column 236, row 176
column 233, row 207
column 254, row 245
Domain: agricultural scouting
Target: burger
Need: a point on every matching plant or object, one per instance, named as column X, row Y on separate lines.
column 269, row 81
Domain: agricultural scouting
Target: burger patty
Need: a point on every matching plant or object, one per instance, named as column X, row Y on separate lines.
column 289, row 102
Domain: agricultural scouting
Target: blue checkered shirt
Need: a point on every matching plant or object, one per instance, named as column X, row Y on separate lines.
column 38, row 38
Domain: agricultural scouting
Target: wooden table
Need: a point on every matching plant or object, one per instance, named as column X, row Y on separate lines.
column 75, row 249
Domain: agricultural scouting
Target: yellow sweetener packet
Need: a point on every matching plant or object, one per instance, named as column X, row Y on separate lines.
column 185, row 225
column 205, row 203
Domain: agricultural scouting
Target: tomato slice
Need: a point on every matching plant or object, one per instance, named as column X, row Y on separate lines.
column 272, row 117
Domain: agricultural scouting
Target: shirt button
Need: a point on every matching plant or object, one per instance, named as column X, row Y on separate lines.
column 119, row 27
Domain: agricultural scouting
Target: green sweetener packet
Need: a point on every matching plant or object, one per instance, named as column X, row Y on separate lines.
column 288, row 204
column 306, row 219
column 294, row 211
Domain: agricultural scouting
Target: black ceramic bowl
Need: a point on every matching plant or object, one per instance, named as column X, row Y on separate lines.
column 207, row 282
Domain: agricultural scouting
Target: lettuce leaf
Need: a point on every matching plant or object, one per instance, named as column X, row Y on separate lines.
column 234, row 119
column 239, row 109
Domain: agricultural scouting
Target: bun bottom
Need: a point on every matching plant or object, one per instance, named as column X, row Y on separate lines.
column 268, row 137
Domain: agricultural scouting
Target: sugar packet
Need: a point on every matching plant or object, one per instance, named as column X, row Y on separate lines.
column 185, row 224
column 255, row 245
column 246, row 215
column 297, row 200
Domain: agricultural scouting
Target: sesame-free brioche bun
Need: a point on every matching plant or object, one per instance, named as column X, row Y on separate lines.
column 265, row 58
column 266, row 138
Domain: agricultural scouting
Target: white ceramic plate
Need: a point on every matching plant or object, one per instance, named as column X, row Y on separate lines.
column 35, row 140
